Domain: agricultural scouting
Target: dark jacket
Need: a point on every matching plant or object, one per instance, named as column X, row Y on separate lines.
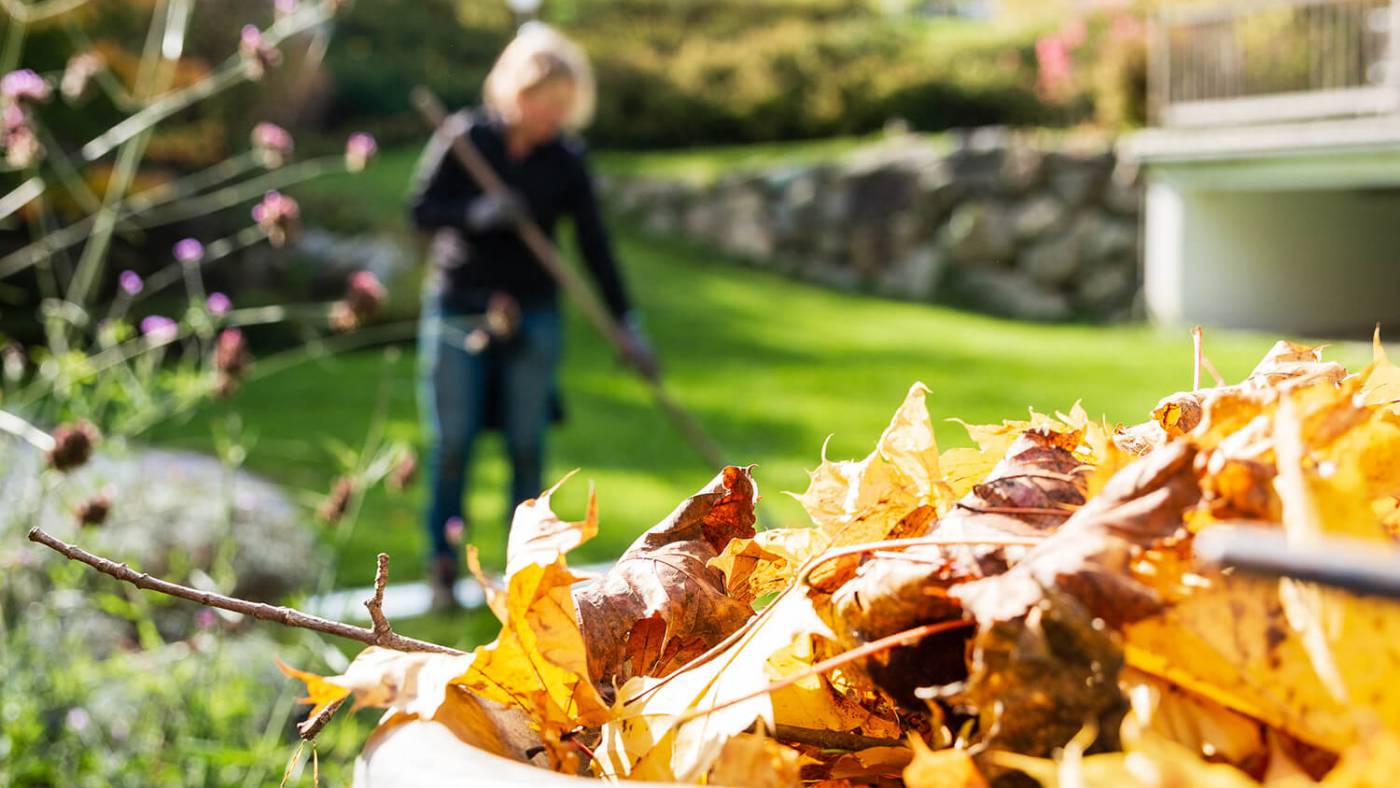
column 553, row 180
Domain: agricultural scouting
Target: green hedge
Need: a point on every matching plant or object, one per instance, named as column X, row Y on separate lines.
column 684, row 72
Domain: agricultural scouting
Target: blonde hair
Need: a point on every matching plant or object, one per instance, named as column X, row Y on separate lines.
column 540, row 54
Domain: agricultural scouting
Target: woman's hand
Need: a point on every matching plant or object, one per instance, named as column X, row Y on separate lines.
column 637, row 352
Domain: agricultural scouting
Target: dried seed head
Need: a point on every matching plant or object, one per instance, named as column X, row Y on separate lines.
column 94, row 510
column 231, row 361
column 336, row 504
column 72, row 445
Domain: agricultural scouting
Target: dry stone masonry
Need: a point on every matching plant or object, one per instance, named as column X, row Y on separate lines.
column 1002, row 223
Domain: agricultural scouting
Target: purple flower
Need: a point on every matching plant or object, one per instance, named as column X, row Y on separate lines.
column 272, row 143
column 24, row 85
column 158, row 328
column 188, row 250
column 130, row 282
column 218, row 304
column 204, row 618
column 359, row 149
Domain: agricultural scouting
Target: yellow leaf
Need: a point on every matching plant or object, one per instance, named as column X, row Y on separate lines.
column 1382, row 378
column 465, row 741
column 768, row 562
column 411, row 682
column 539, row 536
column 853, row 502
column 948, row 768
column 657, row 730
column 750, row 761
column 495, row 595
column 320, row 692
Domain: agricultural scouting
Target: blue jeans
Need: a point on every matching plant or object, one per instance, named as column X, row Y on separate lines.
column 455, row 386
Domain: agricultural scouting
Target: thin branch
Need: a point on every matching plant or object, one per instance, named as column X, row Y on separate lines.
column 375, row 604
column 307, row 729
column 283, row 615
column 831, row 740
column 906, row 638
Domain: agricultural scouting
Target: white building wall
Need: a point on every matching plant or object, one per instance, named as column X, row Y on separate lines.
column 1316, row 262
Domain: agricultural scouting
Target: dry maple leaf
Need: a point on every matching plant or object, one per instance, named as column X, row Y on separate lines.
column 853, row 502
column 661, row 604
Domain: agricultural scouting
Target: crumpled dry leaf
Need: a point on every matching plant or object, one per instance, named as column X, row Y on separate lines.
column 751, row 761
column 539, row 661
column 766, row 563
column 1038, row 476
column 853, row 502
column 661, row 604
column 649, row 736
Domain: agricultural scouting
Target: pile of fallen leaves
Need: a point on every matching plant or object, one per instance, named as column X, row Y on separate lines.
column 1026, row 610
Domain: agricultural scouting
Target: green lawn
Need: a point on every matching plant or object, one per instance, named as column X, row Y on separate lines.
column 770, row 366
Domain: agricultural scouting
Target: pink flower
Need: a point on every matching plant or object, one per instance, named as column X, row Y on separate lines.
column 272, row 143
column 24, row 85
column 188, row 250
column 258, row 57
column 1074, row 32
column 456, row 530
column 1052, row 58
column 158, row 328
column 204, row 618
column 130, row 282
column 364, row 295
column 231, row 361
column 218, row 304
column 279, row 216
column 359, row 149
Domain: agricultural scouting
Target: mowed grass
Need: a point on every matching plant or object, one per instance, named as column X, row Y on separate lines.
column 771, row 367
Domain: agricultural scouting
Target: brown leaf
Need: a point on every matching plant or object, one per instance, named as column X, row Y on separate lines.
column 665, row 576
column 898, row 591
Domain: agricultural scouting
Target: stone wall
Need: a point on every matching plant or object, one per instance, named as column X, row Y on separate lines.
column 1002, row 223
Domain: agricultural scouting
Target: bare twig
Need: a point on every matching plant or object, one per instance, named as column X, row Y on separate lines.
column 375, row 604
column 831, row 740
column 307, row 729
column 283, row 615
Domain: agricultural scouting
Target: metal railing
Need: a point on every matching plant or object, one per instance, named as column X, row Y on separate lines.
column 1275, row 60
